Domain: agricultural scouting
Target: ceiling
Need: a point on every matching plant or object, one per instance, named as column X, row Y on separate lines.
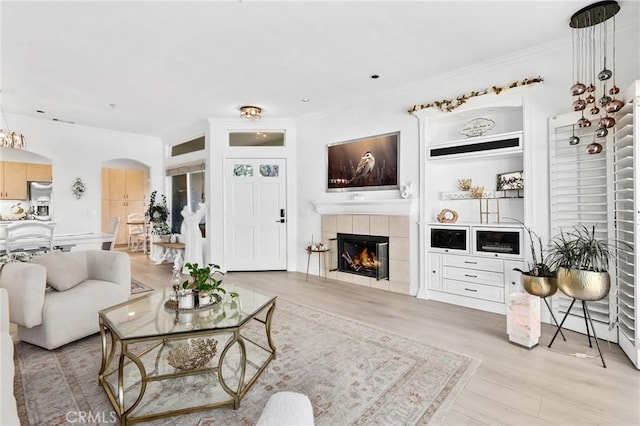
column 156, row 67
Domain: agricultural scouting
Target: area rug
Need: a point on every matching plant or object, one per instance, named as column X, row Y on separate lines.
column 353, row 374
column 138, row 287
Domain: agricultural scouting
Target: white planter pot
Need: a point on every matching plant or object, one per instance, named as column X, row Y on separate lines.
column 185, row 299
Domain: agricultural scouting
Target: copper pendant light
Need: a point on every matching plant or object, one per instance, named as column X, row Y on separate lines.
column 574, row 140
column 594, row 148
column 590, row 52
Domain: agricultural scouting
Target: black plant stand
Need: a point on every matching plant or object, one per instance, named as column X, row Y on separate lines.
column 587, row 321
column 554, row 320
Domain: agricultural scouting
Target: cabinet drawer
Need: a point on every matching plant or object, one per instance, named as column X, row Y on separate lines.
column 477, row 291
column 481, row 263
column 474, row 276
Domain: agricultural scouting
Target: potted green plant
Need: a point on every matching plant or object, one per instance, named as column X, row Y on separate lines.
column 541, row 279
column 582, row 261
column 206, row 282
column 157, row 214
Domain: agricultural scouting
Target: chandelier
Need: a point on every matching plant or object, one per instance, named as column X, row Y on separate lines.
column 10, row 139
column 250, row 112
column 591, row 50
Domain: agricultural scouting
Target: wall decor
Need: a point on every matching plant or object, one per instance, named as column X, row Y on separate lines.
column 448, row 105
column 369, row 163
column 510, row 181
column 78, row 188
column 477, row 127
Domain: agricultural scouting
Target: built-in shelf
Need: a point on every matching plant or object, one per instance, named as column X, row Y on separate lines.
column 393, row 207
column 487, row 195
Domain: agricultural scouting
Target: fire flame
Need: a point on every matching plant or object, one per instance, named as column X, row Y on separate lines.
column 365, row 259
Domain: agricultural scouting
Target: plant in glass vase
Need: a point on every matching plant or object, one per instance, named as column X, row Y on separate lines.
column 157, row 214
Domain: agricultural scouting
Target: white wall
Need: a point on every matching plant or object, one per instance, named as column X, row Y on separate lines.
column 388, row 114
column 79, row 151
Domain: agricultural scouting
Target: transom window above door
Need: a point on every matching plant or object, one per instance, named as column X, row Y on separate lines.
column 256, row 139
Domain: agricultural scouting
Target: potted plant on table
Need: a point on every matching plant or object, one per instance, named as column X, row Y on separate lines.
column 157, row 214
column 206, row 282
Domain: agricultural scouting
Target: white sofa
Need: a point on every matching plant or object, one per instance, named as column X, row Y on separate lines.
column 8, row 409
column 87, row 281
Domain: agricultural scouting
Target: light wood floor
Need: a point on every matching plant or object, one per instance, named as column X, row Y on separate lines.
column 512, row 386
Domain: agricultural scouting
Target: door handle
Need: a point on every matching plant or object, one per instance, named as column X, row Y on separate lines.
column 280, row 220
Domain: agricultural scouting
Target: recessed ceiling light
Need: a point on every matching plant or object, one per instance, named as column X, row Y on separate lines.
column 374, row 76
column 39, row 111
column 306, row 100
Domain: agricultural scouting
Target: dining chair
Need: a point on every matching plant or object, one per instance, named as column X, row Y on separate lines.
column 29, row 237
column 112, row 228
column 135, row 227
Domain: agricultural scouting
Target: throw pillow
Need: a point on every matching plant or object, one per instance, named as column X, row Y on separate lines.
column 62, row 272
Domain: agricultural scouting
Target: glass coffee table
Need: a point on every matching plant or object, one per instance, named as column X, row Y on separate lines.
column 159, row 362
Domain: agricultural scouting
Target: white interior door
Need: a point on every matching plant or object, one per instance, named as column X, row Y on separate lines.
column 255, row 214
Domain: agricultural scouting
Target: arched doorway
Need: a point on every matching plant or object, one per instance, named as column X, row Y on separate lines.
column 125, row 191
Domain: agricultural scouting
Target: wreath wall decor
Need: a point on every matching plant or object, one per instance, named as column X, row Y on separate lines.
column 448, row 105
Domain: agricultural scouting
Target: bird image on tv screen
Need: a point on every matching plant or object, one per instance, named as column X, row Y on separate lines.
column 361, row 164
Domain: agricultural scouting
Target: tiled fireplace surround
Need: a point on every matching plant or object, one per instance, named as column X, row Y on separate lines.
column 395, row 227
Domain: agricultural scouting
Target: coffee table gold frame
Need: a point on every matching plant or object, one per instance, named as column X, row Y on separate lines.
column 126, row 356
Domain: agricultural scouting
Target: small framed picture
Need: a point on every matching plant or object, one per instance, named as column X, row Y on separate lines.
column 510, row 181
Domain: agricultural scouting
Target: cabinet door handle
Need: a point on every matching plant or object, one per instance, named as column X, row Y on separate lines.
column 470, row 263
column 470, row 276
column 471, row 289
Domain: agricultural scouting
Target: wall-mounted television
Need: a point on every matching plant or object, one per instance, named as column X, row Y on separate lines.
column 364, row 164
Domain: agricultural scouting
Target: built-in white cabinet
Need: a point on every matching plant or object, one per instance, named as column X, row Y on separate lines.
column 512, row 279
column 434, row 268
column 459, row 265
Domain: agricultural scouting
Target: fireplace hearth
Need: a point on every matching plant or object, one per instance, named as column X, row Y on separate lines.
column 366, row 255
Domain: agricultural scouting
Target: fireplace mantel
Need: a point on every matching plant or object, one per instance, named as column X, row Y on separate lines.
column 393, row 207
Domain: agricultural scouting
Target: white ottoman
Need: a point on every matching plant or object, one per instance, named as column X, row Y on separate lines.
column 287, row 409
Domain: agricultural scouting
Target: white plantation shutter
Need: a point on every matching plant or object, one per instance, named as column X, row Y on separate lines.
column 601, row 190
column 581, row 194
column 625, row 159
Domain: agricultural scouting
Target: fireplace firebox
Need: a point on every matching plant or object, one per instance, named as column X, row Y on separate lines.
column 366, row 255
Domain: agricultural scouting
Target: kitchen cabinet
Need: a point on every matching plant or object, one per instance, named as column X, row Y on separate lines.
column 39, row 172
column 13, row 180
column 121, row 209
column 124, row 191
column 126, row 184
